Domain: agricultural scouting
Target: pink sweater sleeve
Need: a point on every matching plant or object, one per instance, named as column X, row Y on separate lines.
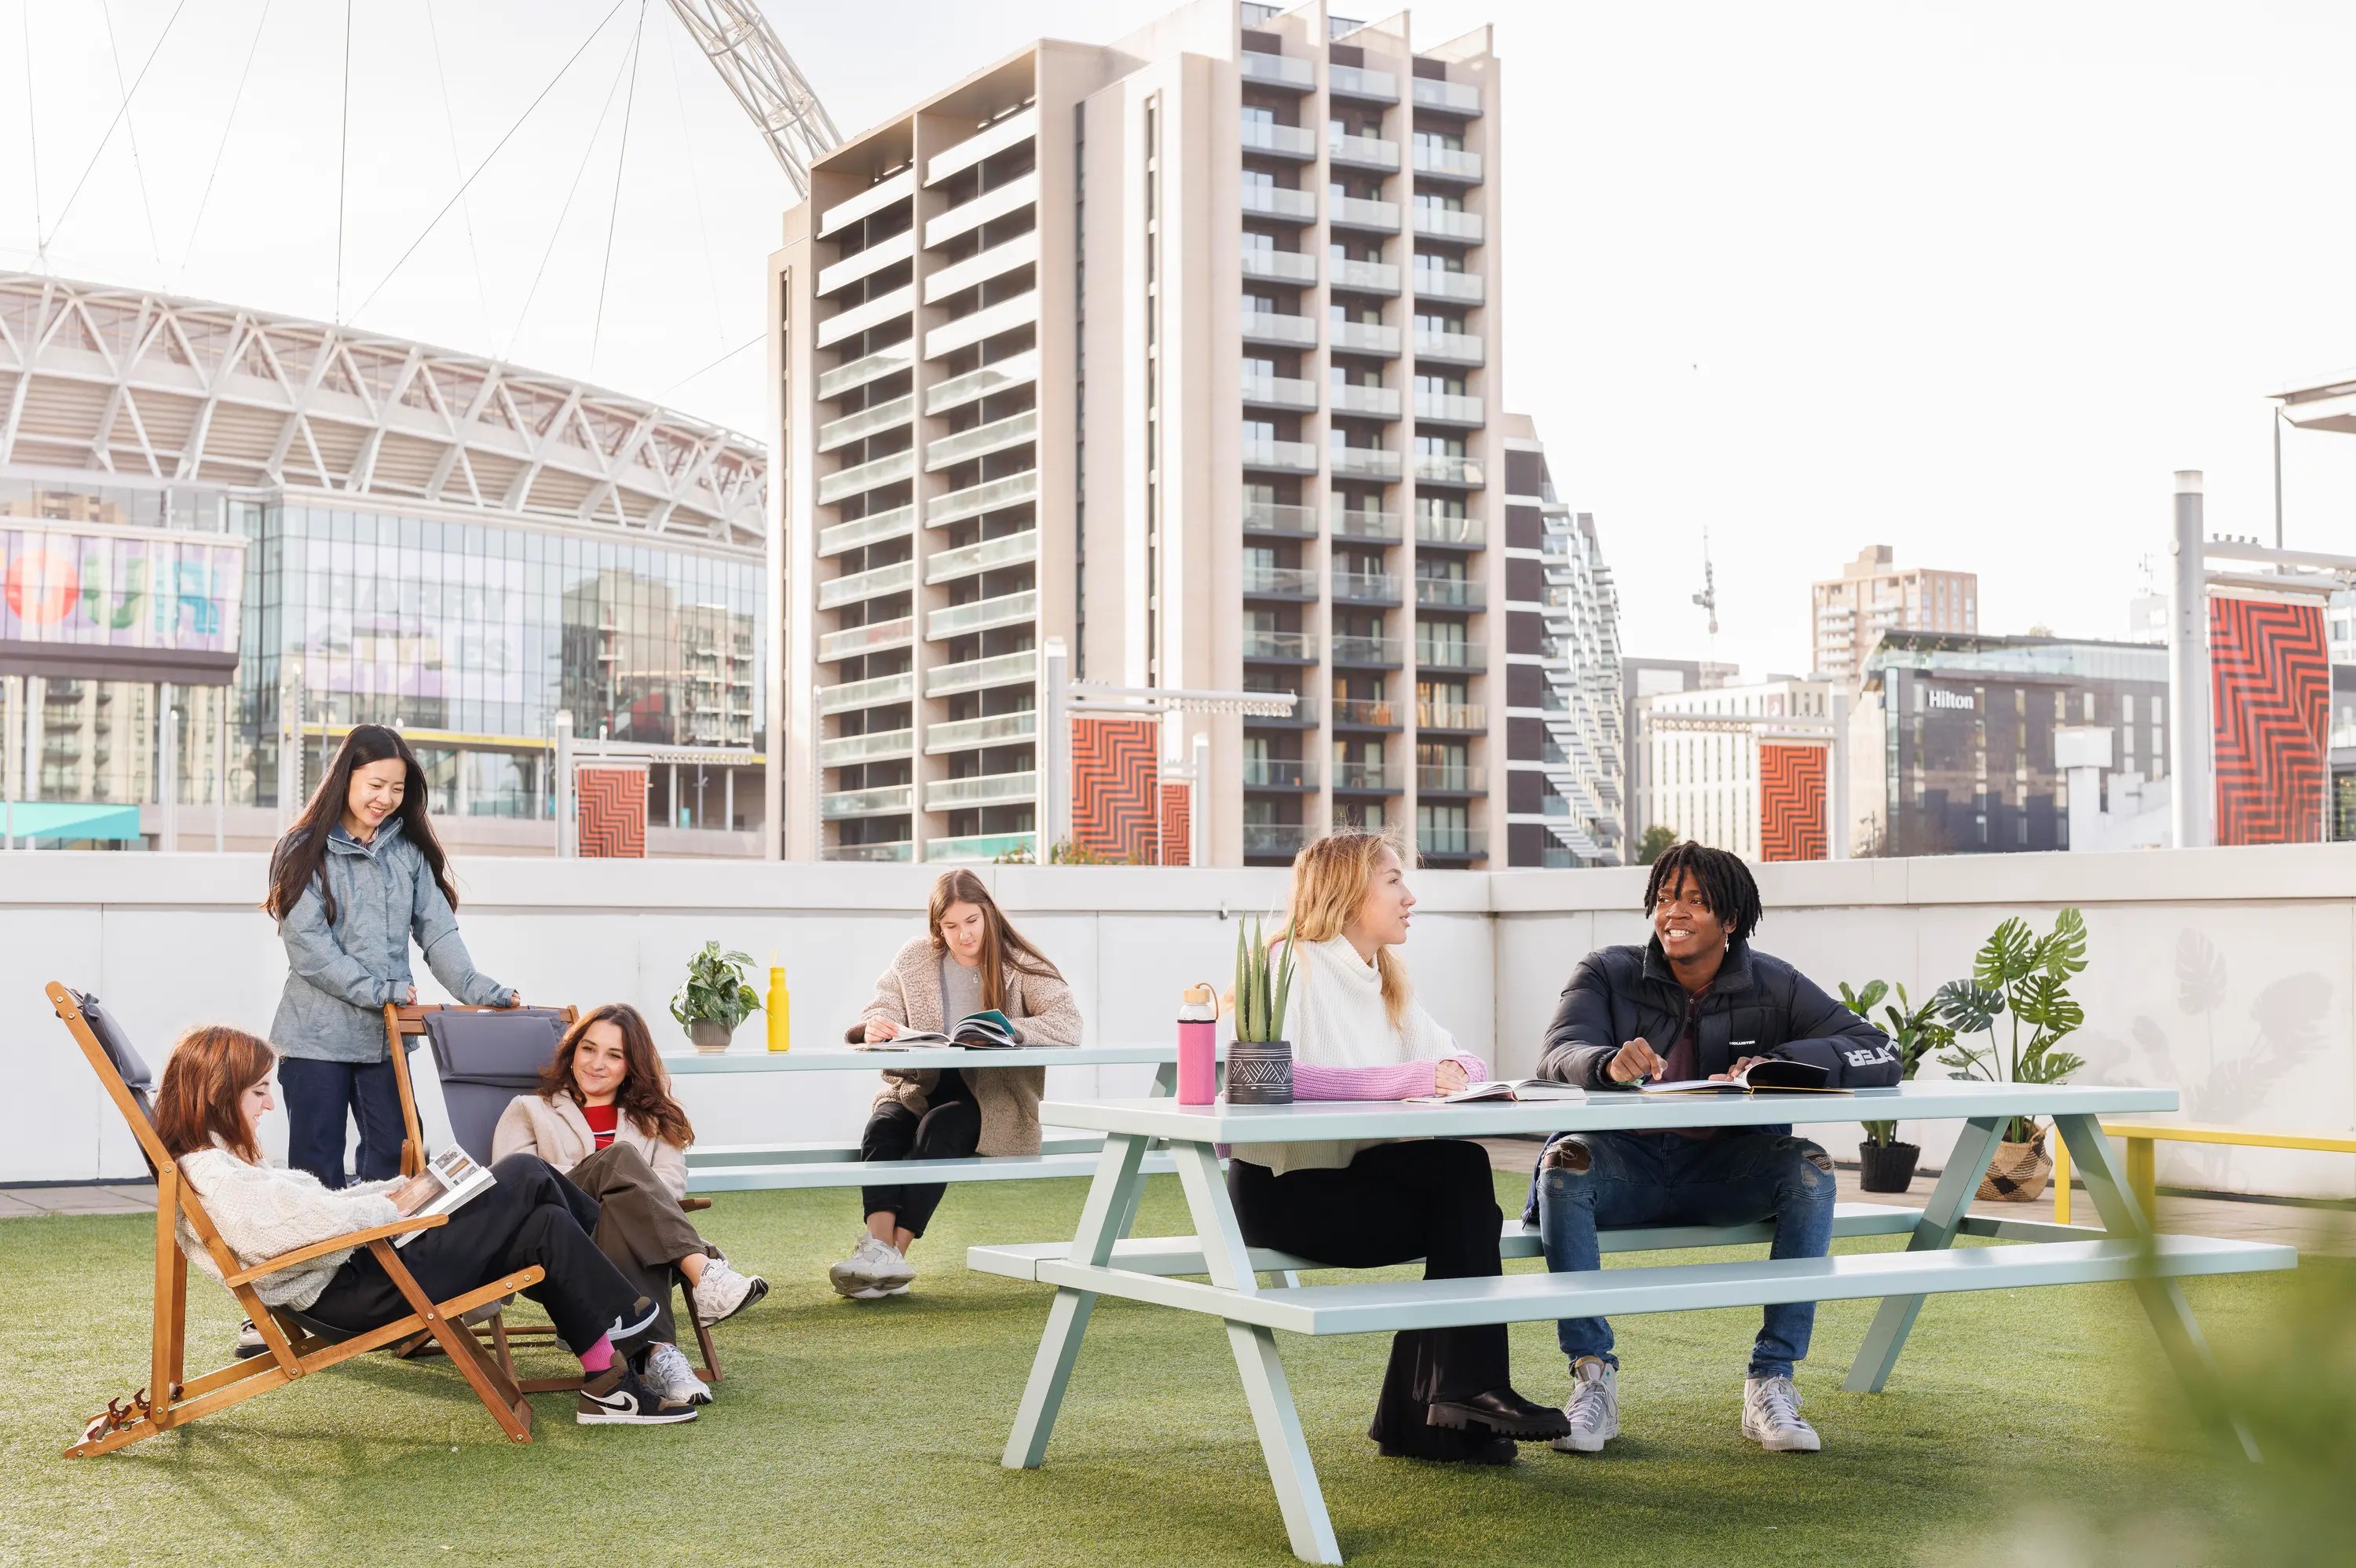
column 1403, row 1082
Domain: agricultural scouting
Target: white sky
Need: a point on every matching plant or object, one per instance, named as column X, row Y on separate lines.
column 1967, row 278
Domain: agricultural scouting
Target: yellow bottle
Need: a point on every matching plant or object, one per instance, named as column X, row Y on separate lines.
column 780, row 1010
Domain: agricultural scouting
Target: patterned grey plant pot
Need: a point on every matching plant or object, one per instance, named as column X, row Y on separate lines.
column 710, row 1036
column 1260, row 1072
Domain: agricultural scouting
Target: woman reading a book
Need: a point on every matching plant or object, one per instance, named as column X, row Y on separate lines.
column 208, row 1111
column 970, row 961
column 1358, row 1033
column 603, row 1116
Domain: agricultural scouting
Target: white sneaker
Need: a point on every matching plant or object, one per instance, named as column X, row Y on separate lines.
column 1771, row 1417
column 723, row 1293
column 873, row 1270
column 669, row 1373
column 1592, row 1408
column 250, row 1342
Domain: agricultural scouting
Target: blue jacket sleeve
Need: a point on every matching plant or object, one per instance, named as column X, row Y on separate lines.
column 435, row 927
column 1856, row 1054
column 313, row 951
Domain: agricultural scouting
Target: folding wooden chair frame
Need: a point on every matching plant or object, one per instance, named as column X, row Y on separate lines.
column 402, row 1021
column 171, row 1400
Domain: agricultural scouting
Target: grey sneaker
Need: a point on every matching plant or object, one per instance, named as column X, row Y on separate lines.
column 1771, row 1417
column 1593, row 1407
column 669, row 1372
column 250, row 1342
column 873, row 1270
column 723, row 1293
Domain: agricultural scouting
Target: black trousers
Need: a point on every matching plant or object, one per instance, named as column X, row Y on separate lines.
column 1430, row 1199
column 950, row 1128
column 533, row 1215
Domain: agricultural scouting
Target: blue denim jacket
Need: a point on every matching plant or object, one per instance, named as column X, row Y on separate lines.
column 340, row 975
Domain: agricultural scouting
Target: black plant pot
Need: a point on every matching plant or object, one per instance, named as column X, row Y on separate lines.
column 1886, row 1167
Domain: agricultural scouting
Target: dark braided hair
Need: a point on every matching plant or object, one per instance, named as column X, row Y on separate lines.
column 1724, row 880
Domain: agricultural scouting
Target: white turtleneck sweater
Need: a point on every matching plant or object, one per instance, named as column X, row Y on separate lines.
column 1344, row 1047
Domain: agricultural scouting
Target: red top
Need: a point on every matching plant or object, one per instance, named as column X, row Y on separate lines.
column 602, row 1120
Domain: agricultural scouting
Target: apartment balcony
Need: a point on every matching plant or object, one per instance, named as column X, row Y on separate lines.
column 1006, row 256
column 1451, row 778
column 1366, row 337
column 1279, row 519
column 900, row 852
column 1450, row 347
column 1447, row 97
column 1279, row 773
column 889, row 361
column 1279, row 71
column 1464, row 473
column 999, row 376
column 982, row 440
column 1280, row 267
column 873, row 529
column 1362, row 153
column 1447, row 163
column 1365, row 588
column 1376, row 528
column 1449, row 409
column 1359, row 212
column 1297, row 142
column 1366, row 277
column 988, row 555
column 1267, row 840
column 1447, row 223
column 991, row 730
column 989, row 322
column 1278, row 330
column 1278, row 583
column 1471, row 658
column 1358, row 83
column 980, row 848
column 1450, row 593
column 1373, row 403
column 875, row 198
column 860, row 319
column 996, row 202
column 891, row 469
column 1279, row 392
column 1279, row 648
column 982, row 616
column 1452, row 533
column 1460, row 288
column 1281, row 456
column 979, row 675
column 1466, row 717
column 1366, row 653
column 867, row 422
column 900, row 247
column 1279, row 202
column 983, row 789
column 890, row 800
column 875, row 637
column 1459, row 846
column 899, row 576
column 876, row 691
column 980, row 500
column 1365, row 713
column 1363, row 463
column 884, row 746
column 1365, row 778
column 987, row 142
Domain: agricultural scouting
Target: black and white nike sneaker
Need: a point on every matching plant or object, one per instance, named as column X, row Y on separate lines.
column 620, row 1397
column 250, row 1342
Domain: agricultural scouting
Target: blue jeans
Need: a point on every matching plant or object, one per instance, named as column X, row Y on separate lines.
column 318, row 1093
column 1660, row 1179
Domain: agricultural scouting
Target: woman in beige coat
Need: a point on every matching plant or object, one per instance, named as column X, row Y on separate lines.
column 970, row 960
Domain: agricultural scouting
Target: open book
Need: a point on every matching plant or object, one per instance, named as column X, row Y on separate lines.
column 1506, row 1089
column 1773, row 1076
column 448, row 1180
column 988, row 1029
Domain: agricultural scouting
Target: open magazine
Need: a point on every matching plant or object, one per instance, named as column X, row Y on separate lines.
column 988, row 1029
column 1773, row 1076
column 1531, row 1089
column 449, row 1179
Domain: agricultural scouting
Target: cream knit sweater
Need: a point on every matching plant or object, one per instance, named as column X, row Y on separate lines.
column 262, row 1210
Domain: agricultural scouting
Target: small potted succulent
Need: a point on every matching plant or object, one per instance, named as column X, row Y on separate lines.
column 714, row 998
column 2018, row 971
column 1259, row 1062
column 1884, row 1164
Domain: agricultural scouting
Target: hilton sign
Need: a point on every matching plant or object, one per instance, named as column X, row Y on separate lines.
column 1961, row 700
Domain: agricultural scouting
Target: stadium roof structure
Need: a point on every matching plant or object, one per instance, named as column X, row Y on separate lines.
column 124, row 382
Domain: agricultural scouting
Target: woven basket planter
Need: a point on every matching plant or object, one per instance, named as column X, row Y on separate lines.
column 2019, row 1172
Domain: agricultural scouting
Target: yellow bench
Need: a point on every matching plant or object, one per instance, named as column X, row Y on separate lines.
column 2142, row 1138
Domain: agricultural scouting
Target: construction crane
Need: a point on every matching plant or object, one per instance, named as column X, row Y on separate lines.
column 1708, row 597
column 743, row 49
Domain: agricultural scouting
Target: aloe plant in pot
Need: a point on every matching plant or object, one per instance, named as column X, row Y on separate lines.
column 2019, row 973
column 1259, row 1062
column 1884, row 1164
column 715, row 997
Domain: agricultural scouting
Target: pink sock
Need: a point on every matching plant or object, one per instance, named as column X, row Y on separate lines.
column 597, row 1357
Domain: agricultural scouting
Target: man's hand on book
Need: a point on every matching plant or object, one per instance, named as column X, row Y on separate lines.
column 1742, row 1064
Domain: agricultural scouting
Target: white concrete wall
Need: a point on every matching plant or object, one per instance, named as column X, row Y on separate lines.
column 2228, row 973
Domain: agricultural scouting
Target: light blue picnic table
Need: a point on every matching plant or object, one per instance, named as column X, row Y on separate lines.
column 1100, row 1259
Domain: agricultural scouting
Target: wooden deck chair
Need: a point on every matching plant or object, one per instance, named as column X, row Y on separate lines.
column 296, row 1345
column 473, row 1100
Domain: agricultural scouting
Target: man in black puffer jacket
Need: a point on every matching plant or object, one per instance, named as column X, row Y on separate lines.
column 1695, row 1002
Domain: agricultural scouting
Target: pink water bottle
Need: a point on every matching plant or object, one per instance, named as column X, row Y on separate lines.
column 1198, row 1046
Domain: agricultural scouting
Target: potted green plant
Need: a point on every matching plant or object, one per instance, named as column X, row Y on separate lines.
column 714, row 998
column 2019, row 973
column 1259, row 1062
column 1884, row 1164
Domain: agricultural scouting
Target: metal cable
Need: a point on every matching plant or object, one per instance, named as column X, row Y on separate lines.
column 221, row 152
column 343, row 148
column 588, row 148
column 614, row 208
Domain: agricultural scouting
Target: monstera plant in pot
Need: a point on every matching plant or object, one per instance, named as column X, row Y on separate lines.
column 2024, row 978
column 1884, row 1164
column 714, row 998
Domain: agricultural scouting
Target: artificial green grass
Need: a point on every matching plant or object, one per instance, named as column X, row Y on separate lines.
column 870, row 1433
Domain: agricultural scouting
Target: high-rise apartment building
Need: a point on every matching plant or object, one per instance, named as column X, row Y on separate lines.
column 1706, row 766
column 1872, row 595
column 1185, row 351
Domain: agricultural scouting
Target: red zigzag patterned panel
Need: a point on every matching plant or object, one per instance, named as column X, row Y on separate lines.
column 2270, row 688
column 612, row 813
column 1116, row 768
column 1177, row 825
column 1791, row 802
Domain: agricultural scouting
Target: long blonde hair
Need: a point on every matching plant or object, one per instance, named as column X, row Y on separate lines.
column 1330, row 881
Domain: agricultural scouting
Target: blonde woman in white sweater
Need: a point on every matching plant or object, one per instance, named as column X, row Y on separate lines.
column 209, row 1111
column 1358, row 1034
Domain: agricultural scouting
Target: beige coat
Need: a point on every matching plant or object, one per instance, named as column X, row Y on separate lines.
column 1043, row 1012
column 558, row 1133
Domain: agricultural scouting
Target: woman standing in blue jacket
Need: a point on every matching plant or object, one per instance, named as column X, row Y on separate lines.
column 350, row 884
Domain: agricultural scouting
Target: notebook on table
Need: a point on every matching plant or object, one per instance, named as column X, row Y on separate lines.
column 1773, row 1076
column 1530, row 1089
column 988, row 1029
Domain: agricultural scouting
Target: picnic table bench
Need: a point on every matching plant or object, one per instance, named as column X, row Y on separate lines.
column 1102, row 1260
